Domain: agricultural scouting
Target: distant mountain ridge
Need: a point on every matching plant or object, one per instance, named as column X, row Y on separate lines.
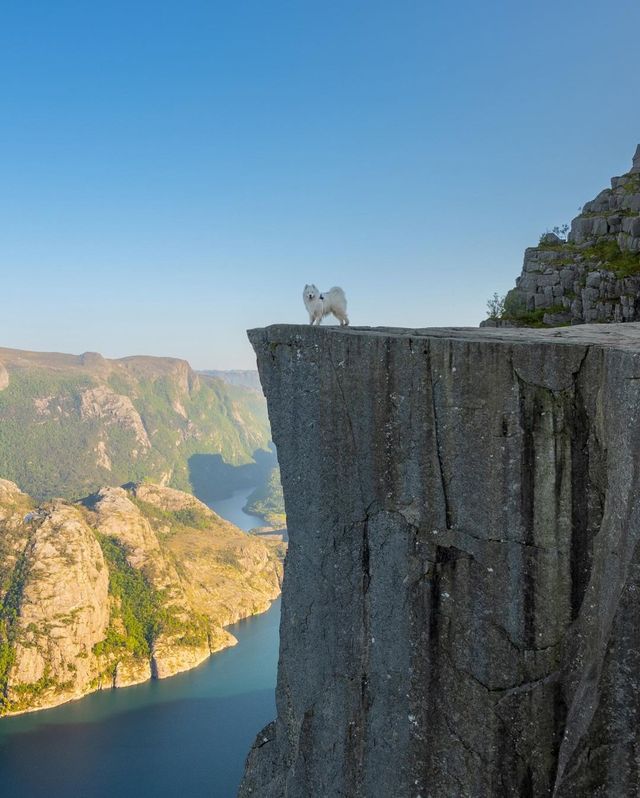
column 70, row 424
column 248, row 378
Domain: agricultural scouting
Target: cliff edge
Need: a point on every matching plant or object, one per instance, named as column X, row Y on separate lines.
column 462, row 584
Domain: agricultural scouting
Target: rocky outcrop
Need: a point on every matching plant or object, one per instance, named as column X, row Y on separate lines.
column 462, row 584
column 113, row 409
column 594, row 276
column 127, row 585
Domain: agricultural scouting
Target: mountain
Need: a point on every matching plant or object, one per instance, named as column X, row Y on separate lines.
column 593, row 276
column 71, row 424
column 246, row 379
column 129, row 584
column 267, row 501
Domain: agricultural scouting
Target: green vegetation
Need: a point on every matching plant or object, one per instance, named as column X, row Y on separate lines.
column 26, row 694
column 560, row 232
column 41, row 444
column 184, row 517
column 513, row 312
column 9, row 623
column 609, row 256
column 51, row 446
column 267, row 501
column 139, row 613
column 495, row 306
column 533, row 318
column 632, row 186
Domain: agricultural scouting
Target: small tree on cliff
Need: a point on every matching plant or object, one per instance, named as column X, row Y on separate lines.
column 495, row 306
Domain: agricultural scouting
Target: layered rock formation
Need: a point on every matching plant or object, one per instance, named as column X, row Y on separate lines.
column 126, row 585
column 594, row 276
column 462, row 584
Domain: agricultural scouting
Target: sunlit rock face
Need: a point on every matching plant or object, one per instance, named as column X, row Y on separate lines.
column 462, row 585
column 126, row 585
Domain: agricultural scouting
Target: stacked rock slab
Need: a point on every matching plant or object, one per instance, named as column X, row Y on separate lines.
column 594, row 276
column 462, row 586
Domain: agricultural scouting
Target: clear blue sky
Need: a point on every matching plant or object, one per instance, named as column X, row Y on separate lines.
column 172, row 173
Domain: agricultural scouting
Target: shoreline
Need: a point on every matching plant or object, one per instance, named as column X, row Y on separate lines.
column 231, row 643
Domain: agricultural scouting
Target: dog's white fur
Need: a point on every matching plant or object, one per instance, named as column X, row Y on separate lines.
column 320, row 305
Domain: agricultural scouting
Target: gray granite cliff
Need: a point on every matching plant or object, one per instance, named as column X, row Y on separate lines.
column 593, row 276
column 462, row 586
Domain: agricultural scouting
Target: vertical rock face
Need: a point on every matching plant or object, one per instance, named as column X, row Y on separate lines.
column 462, row 584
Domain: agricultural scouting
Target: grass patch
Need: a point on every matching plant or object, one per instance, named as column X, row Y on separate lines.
column 611, row 258
column 533, row 318
column 186, row 516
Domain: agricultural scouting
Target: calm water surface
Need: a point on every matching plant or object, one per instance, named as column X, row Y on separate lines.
column 185, row 736
column 231, row 509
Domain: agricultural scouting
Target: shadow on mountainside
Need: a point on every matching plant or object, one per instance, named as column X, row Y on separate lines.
column 212, row 479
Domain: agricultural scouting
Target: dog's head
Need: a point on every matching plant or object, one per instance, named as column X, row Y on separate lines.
column 310, row 293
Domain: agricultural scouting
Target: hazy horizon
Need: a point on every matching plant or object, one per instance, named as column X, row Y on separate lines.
column 174, row 174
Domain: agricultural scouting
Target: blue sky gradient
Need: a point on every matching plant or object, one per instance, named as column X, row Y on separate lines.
column 174, row 172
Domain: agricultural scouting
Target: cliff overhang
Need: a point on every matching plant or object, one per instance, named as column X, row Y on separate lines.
column 462, row 582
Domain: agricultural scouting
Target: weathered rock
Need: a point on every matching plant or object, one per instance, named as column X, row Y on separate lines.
column 67, row 569
column 63, row 611
column 602, row 247
column 114, row 409
column 462, row 585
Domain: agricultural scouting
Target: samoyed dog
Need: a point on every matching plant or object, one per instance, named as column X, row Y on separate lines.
column 320, row 305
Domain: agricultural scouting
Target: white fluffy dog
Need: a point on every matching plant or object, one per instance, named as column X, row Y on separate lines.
column 321, row 305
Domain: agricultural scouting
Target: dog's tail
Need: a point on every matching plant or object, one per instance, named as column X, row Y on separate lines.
column 337, row 291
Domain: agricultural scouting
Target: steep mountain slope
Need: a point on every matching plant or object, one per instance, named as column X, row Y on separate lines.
column 127, row 585
column 71, row 424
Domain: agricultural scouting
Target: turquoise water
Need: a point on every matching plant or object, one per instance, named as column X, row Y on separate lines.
column 184, row 736
column 231, row 509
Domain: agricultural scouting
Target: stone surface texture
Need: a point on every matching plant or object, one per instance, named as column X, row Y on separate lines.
column 462, row 585
column 58, row 608
column 594, row 276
